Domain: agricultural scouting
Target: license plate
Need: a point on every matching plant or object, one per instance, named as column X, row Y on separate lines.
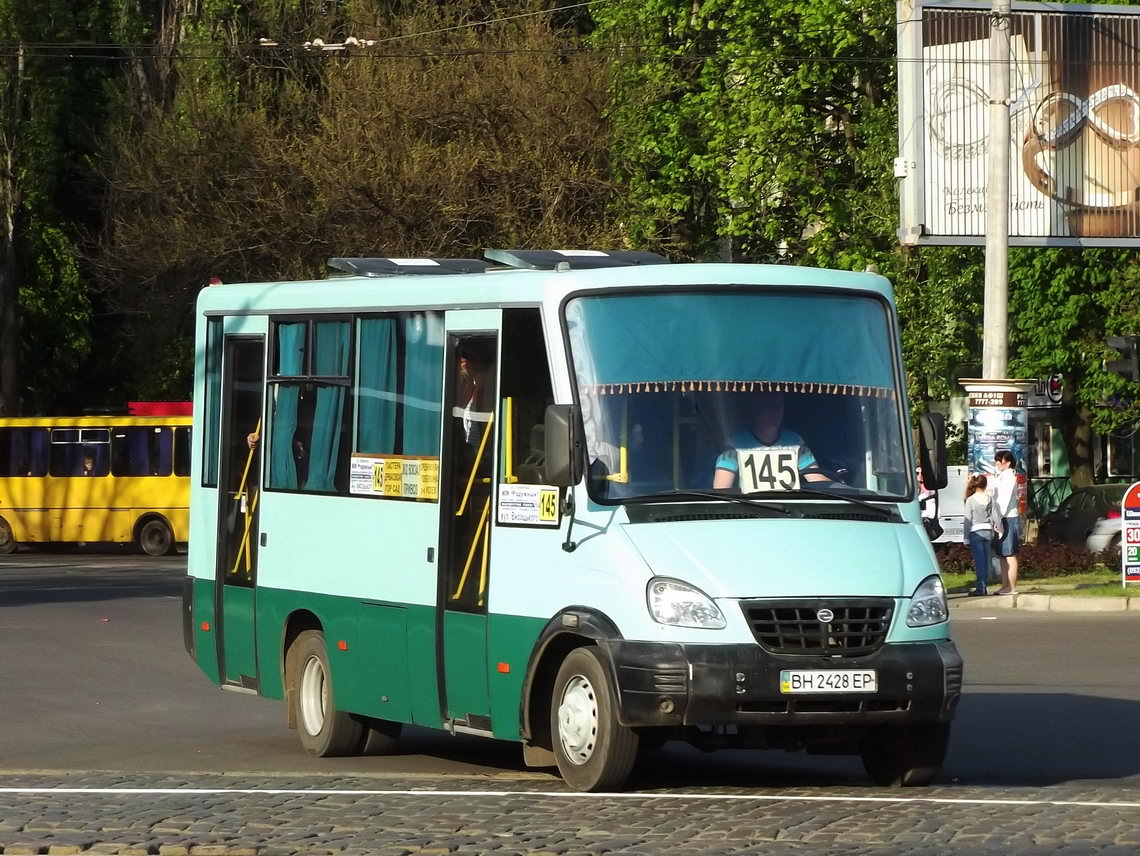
column 828, row 681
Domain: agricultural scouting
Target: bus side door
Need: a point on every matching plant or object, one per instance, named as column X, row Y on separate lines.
column 470, row 447
column 239, row 494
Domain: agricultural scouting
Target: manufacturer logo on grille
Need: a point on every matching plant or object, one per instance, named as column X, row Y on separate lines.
column 825, row 615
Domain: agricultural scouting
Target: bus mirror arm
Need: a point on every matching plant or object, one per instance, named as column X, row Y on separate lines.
column 569, row 545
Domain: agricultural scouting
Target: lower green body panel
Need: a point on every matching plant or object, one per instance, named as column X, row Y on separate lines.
column 382, row 655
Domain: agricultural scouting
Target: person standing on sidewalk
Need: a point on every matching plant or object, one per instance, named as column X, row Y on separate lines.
column 981, row 525
column 1005, row 498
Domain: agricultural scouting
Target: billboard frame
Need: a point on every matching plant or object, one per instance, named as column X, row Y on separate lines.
column 912, row 164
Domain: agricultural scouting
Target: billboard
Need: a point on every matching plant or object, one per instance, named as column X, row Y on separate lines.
column 1074, row 159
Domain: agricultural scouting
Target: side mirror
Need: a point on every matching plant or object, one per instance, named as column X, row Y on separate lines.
column 932, row 450
column 565, row 453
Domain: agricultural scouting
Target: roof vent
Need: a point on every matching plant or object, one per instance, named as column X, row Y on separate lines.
column 407, row 267
column 573, row 259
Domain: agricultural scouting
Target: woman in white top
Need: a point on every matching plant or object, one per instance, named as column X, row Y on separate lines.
column 981, row 525
column 1004, row 491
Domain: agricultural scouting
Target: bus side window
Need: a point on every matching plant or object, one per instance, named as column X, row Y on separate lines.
column 80, row 452
column 308, row 437
column 23, row 452
column 182, row 451
column 140, row 451
column 398, row 395
column 526, row 381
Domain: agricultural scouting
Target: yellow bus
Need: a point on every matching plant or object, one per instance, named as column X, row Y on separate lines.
column 118, row 478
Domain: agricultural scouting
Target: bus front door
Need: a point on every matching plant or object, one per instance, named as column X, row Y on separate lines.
column 469, row 446
column 238, row 494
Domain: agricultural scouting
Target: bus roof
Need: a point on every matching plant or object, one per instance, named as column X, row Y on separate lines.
column 511, row 286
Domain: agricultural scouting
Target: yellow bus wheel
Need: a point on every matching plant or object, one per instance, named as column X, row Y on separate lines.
column 7, row 540
column 155, row 538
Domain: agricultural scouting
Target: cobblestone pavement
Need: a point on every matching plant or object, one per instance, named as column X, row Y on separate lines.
column 131, row 815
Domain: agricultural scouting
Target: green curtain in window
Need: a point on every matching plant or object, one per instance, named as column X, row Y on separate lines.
column 290, row 351
column 330, row 358
column 423, row 382
column 376, row 431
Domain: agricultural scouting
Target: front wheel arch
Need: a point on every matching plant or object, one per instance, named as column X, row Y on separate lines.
column 571, row 628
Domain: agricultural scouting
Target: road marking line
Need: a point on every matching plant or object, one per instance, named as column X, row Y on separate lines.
column 323, row 792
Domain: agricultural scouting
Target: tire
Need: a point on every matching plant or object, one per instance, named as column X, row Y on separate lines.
column 155, row 538
column 380, row 736
column 7, row 539
column 898, row 756
column 324, row 730
column 593, row 751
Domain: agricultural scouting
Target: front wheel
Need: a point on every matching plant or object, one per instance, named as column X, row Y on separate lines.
column 593, row 750
column 905, row 755
column 155, row 538
column 7, row 539
column 324, row 730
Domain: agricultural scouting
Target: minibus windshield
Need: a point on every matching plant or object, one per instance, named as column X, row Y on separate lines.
column 739, row 393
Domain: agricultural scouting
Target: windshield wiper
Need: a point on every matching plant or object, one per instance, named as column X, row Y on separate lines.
column 718, row 497
column 885, row 513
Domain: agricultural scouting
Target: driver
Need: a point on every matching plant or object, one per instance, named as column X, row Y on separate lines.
column 767, row 429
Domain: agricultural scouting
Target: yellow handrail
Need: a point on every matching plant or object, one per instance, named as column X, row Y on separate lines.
column 475, row 465
column 471, row 553
column 250, row 507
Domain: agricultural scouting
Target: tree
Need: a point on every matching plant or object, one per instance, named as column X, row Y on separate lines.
column 771, row 128
column 51, row 106
column 270, row 161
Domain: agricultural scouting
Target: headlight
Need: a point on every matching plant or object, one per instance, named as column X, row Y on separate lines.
column 679, row 604
column 928, row 604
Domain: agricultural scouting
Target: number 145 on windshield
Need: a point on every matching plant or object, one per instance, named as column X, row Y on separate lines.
column 769, row 468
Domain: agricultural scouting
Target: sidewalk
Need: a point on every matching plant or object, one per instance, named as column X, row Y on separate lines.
column 1043, row 601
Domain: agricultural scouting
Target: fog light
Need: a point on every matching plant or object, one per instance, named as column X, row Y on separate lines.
column 666, row 705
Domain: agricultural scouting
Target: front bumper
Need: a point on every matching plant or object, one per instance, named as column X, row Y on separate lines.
column 670, row 684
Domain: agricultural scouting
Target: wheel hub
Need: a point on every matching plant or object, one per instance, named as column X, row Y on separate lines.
column 314, row 696
column 578, row 720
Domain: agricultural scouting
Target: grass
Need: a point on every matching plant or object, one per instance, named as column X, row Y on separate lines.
column 1104, row 583
column 1112, row 589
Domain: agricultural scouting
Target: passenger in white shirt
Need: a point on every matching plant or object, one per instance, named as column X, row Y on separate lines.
column 1004, row 488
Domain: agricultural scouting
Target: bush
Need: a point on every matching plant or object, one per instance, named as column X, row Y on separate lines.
column 1038, row 561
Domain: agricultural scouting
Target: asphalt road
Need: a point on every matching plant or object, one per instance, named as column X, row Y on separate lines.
column 96, row 691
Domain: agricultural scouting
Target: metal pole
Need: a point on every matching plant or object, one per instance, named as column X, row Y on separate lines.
column 995, row 335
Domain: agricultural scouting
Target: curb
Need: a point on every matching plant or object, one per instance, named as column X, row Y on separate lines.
column 1037, row 602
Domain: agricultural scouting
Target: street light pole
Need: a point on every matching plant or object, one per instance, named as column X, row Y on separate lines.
column 995, row 327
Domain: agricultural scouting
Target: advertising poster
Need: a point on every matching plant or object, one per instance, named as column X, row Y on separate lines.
column 999, row 419
column 1130, row 537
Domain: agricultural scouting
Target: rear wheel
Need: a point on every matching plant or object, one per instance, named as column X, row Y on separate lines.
column 380, row 736
column 155, row 538
column 593, row 750
column 7, row 540
column 324, row 730
column 905, row 755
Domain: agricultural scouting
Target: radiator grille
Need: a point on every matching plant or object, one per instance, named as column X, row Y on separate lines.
column 856, row 627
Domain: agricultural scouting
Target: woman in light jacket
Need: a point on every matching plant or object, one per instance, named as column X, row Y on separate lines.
column 981, row 525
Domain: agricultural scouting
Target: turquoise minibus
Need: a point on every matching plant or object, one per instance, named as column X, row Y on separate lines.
column 586, row 501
